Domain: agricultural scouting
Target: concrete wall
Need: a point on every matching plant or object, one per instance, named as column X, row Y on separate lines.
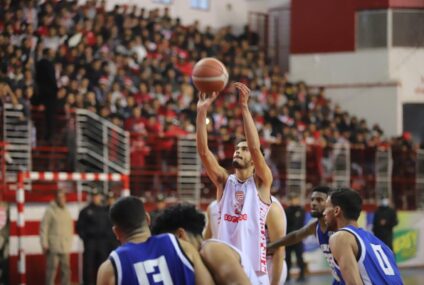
column 378, row 104
column 372, row 83
column 407, row 66
column 368, row 66
column 361, row 82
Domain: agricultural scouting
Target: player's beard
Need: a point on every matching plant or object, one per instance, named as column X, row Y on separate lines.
column 237, row 164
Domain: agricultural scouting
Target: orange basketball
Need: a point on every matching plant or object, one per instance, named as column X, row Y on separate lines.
column 209, row 75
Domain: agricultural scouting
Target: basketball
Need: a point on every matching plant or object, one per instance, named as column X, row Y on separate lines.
column 209, row 75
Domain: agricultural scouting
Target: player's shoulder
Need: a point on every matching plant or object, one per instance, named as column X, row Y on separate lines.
column 342, row 237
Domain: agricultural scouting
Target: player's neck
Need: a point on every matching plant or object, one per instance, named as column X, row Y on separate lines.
column 139, row 237
column 243, row 174
column 344, row 223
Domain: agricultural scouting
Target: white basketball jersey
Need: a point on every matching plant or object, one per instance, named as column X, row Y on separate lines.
column 242, row 221
column 213, row 218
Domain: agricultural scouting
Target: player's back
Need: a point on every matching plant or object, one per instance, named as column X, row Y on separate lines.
column 377, row 263
column 158, row 260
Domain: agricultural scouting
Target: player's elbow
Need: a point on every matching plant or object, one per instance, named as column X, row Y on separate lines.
column 203, row 154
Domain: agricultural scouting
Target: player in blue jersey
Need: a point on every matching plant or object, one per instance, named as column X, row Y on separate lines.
column 144, row 259
column 223, row 261
column 359, row 256
column 316, row 227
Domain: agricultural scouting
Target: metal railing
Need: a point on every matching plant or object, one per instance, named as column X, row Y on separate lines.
column 100, row 145
column 17, row 132
column 189, row 170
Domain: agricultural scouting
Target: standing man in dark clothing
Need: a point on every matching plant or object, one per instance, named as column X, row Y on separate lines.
column 295, row 220
column 45, row 77
column 92, row 227
column 385, row 219
column 160, row 207
column 112, row 242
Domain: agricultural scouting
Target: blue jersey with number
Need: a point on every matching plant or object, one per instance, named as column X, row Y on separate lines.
column 323, row 240
column 377, row 263
column 158, row 260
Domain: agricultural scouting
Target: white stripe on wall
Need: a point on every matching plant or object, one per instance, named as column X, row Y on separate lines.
column 35, row 211
column 32, row 245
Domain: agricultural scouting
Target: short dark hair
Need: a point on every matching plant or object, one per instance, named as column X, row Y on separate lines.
column 245, row 140
column 184, row 216
column 322, row 188
column 349, row 201
column 128, row 214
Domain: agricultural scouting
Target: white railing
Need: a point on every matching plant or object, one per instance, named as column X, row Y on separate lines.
column 189, row 171
column 296, row 170
column 101, row 146
column 17, row 132
column 341, row 165
column 383, row 174
column 419, row 180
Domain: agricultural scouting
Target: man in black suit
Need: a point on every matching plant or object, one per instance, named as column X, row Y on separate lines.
column 385, row 219
column 45, row 78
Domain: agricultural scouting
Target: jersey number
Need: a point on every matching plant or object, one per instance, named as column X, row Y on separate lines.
column 383, row 261
column 155, row 267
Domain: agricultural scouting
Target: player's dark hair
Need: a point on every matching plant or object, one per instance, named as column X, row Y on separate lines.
column 322, row 189
column 184, row 216
column 128, row 214
column 349, row 201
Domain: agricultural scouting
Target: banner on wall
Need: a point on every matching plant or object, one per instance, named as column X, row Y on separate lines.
column 408, row 241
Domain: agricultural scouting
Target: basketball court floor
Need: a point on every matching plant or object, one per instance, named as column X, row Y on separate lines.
column 410, row 277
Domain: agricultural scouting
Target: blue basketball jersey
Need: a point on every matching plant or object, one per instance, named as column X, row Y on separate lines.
column 323, row 240
column 377, row 263
column 158, row 260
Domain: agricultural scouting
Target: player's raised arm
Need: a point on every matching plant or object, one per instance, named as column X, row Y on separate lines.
column 294, row 237
column 343, row 246
column 262, row 170
column 216, row 173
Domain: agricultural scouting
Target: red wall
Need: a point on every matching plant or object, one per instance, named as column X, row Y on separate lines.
column 322, row 26
column 329, row 25
column 36, row 270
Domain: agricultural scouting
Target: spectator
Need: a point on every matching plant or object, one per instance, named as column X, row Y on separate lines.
column 47, row 90
column 295, row 220
column 56, row 235
column 160, row 206
column 92, row 228
column 385, row 219
column 112, row 242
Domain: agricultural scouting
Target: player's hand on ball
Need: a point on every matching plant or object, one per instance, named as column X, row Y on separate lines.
column 206, row 99
column 244, row 93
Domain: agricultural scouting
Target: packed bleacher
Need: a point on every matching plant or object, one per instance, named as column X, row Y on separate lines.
column 133, row 66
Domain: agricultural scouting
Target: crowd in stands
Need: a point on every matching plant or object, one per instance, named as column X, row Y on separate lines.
column 133, row 66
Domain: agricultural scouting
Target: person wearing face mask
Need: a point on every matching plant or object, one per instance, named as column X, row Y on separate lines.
column 385, row 219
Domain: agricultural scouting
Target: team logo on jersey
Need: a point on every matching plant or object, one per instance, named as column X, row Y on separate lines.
column 238, row 206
